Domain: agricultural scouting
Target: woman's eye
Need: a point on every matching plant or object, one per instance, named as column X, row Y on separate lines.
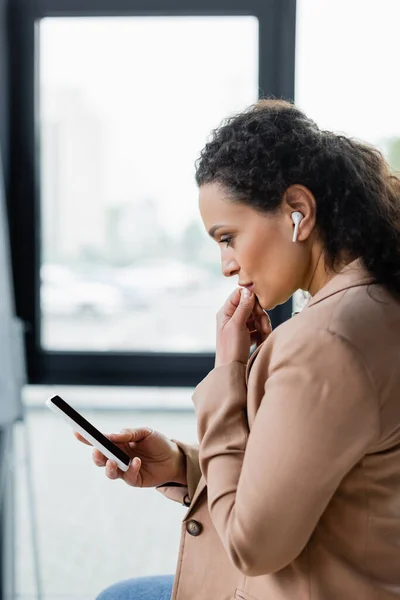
column 226, row 241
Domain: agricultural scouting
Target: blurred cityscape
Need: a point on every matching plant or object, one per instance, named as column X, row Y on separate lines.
column 113, row 275
column 126, row 263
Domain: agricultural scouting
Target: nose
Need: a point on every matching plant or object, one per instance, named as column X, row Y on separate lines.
column 230, row 267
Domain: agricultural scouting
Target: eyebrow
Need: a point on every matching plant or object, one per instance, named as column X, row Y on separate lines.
column 213, row 230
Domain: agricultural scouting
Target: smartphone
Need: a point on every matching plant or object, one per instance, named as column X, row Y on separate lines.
column 89, row 432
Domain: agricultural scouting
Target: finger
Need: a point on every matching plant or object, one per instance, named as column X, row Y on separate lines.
column 258, row 310
column 234, row 297
column 112, row 470
column 130, row 435
column 250, row 323
column 253, row 325
column 262, row 330
column 245, row 307
column 132, row 475
column 262, row 316
column 265, row 322
column 81, row 438
column 230, row 306
column 98, row 458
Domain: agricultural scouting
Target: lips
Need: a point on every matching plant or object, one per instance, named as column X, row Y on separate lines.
column 249, row 286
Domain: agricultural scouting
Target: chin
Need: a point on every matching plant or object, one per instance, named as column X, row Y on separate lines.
column 270, row 303
column 269, row 306
column 266, row 303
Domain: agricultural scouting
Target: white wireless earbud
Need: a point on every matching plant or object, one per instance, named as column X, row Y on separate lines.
column 297, row 217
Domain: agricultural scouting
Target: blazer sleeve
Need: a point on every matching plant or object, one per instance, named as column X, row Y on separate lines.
column 184, row 493
column 268, row 487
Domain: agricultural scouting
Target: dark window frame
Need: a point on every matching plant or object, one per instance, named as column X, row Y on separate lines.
column 277, row 25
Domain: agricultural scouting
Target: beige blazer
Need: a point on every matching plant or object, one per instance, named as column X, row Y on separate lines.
column 294, row 489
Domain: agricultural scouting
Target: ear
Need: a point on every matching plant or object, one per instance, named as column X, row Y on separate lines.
column 298, row 197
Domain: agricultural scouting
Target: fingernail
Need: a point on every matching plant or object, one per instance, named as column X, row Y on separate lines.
column 246, row 293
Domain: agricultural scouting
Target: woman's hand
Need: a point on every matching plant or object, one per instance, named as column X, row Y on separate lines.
column 155, row 458
column 241, row 322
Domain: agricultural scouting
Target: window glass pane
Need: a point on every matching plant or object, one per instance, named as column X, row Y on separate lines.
column 346, row 69
column 126, row 104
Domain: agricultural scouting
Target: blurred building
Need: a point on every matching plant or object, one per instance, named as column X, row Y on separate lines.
column 72, row 175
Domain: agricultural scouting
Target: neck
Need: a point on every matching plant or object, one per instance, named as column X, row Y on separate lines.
column 321, row 274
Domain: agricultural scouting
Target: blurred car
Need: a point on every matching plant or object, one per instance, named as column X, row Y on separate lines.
column 62, row 293
column 81, row 299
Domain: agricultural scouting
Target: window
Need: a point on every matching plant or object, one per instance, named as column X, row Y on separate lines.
column 346, row 69
column 346, row 60
column 125, row 111
column 111, row 104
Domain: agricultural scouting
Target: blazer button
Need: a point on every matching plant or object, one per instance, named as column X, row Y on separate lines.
column 193, row 527
column 186, row 500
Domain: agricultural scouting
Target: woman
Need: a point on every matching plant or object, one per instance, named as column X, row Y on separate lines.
column 294, row 490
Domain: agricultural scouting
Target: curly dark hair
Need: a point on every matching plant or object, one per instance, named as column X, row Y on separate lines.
column 257, row 154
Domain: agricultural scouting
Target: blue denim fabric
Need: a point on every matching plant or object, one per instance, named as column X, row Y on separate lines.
column 142, row 588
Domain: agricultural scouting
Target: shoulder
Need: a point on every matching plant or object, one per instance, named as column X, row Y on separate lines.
column 350, row 314
column 330, row 332
column 358, row 326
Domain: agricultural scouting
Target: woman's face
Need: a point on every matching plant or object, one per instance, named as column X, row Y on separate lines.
column 256, row 247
